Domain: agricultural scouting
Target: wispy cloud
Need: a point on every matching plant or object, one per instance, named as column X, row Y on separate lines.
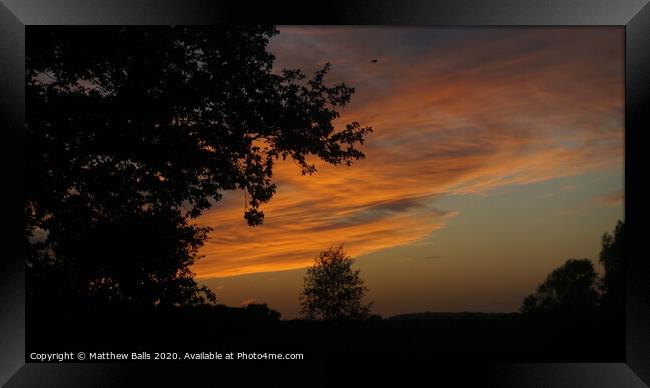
column 612, row 199
column 454, row 112
column 563, row 189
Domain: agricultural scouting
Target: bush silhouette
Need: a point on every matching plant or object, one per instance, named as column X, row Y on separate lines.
column 332, row 290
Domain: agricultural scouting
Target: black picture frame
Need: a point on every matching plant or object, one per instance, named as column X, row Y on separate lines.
column 15, row 15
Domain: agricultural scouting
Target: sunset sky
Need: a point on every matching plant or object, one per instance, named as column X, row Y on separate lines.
column 497, row 154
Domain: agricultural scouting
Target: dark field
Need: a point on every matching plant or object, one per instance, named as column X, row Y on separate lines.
column 426, row 336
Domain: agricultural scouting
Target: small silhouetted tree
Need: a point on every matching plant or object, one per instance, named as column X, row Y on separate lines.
column 132, row 132
column 612, row 258
column 332, row 290
column 571, row 288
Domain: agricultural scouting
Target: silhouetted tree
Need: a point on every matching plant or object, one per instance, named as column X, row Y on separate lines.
column 571, row 288
column 332, row 290
column 131, row 132
column 613, row 260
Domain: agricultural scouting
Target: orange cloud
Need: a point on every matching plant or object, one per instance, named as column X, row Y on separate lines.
column 526, row 106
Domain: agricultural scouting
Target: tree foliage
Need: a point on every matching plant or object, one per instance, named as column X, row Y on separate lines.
column 568, row 289
column 576, row 287
column 131, row 132
column 332, row 290
column 612, row 258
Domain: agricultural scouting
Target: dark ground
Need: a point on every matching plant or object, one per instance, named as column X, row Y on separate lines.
column 431, row 336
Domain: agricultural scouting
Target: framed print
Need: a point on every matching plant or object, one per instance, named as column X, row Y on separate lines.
column 197, row 187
